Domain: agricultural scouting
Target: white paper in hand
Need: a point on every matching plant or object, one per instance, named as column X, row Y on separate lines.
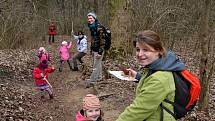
column 120, row 75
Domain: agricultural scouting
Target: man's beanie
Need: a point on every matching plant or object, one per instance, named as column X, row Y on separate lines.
column 91, row 101
column 92, row 14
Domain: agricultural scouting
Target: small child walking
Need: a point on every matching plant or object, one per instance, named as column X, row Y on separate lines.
column 42, row 55
column 52, row 32
column 40, row 74
column 64, row 54
column 91, row 110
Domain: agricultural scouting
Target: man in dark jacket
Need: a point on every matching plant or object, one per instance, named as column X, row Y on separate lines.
column 97, row 48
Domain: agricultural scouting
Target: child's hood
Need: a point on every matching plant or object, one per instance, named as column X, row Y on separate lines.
column 79, row 117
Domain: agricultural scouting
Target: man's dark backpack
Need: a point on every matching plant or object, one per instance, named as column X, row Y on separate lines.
column 186, row 94
column 105, row 34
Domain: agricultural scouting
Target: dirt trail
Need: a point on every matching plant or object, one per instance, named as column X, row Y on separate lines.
column 69, row 89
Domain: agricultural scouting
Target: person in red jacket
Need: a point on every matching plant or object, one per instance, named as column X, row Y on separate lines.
column 52, row 32
column 40, row 74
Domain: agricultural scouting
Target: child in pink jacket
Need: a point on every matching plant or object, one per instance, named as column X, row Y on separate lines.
column 64, row 54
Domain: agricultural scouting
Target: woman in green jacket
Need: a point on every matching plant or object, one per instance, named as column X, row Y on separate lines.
column 152, row 88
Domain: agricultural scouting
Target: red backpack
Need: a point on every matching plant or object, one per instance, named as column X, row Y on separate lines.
column 186, row 94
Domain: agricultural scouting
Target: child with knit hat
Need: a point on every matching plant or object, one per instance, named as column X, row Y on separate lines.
column 91, row 110
column 43, row 55
column 64, row 54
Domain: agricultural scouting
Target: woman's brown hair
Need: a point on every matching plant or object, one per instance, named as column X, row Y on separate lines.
column 150, row 38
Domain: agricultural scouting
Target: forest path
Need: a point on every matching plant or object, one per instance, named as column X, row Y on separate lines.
column 69, row 89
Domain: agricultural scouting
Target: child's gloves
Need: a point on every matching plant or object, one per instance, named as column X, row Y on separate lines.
column 44, row 78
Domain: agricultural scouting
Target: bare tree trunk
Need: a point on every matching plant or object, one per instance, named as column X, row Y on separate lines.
column 203, row 37
column 64, row 17
column 96, row 6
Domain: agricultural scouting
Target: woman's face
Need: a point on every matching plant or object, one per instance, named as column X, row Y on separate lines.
column 93, row 113
column 146, row 54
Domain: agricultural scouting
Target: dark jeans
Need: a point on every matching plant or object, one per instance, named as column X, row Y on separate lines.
column 78, row 57
column 61, row 63
column 51, row 37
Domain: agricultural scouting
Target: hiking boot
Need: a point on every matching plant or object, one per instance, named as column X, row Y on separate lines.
column 70, row 67
column 42, row 96
column 51, row 96
column 81, row 66
column 75, row 69
column 60, row 70
column 100, row 79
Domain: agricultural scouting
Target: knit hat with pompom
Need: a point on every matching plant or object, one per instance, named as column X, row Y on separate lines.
column 91, row 101
column 42, row 49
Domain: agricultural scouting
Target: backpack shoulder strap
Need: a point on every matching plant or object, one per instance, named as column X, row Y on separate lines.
column 167, row 110
column 100, row 28
column 150, row 72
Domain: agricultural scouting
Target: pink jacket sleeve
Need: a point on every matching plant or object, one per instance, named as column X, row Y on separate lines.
column 70, row 45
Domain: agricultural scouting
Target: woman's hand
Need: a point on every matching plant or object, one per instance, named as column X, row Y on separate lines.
column 125, row 71
column 129, row 71
column 132, row 73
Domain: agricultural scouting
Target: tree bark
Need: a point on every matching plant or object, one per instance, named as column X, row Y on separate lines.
column 203, row 38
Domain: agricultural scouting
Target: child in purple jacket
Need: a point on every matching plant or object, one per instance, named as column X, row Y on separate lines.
column 64, row 54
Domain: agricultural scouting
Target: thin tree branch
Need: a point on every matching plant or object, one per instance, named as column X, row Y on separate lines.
column 34, row 6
